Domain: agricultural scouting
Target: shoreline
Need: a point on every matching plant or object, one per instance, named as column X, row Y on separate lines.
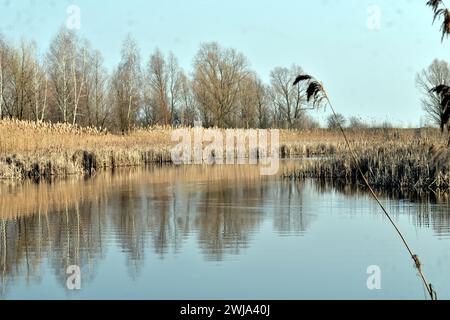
column 390, row 158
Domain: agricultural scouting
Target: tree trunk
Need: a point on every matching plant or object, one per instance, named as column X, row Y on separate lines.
column 64, row 107
column 44, row 105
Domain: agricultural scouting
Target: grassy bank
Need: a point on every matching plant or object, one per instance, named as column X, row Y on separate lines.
column 42, row 150
column 406, row 158
column 401, row 159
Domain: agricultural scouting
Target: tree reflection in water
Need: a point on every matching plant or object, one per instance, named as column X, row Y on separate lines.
column 154, row 211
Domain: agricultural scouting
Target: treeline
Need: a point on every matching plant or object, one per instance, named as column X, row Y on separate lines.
column 69, row 83
column 334, row 122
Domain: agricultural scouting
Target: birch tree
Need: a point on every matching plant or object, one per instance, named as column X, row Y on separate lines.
column 58, row 62
column 126, row 86
column 40, row 93
column 67, row 61
column 175, row 78
column 78, row 73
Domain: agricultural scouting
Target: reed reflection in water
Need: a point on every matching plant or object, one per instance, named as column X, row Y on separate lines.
column 148, row 218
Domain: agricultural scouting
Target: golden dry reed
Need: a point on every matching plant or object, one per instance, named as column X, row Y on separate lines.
column 407, row 158
column 391, row 158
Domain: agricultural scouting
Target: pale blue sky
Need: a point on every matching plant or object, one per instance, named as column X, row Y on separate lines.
column 368, row 73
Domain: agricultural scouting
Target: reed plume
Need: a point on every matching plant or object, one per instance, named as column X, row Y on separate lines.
column 434, row 4
column 316, row 91
column 441, row 11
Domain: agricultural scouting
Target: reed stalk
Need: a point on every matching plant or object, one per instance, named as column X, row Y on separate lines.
column 317, row 93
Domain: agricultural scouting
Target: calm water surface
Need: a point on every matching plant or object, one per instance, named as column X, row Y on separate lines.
column 214, row 233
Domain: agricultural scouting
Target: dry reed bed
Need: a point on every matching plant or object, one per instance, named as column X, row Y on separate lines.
column 36, row 150
column 407, row 158
column 395, row 163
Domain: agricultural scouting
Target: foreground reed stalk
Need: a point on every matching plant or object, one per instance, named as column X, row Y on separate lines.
column 317, row 92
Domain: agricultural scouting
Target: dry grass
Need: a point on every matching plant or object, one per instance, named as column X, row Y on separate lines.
column 35, row 150
column 404, row 159
column 22, row 137
column 408, row 158
column 29, row 149
column 40, row 139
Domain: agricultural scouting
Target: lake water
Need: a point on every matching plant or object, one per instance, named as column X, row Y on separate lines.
column 217, row 232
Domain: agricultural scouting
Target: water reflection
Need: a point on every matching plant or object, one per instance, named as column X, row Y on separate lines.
column 156, row 211
column 426, row 210
column 72, row 222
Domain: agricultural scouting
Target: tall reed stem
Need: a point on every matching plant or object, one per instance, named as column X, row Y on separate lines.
column 418, row 264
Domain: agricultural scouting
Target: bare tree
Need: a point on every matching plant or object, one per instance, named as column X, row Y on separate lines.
column 175, row 78
column 289, row 101
column 163, row 89
column 335, row 122
column 62, row 62
column 78, row 74
column 357, row 123
column 97, row 110
column 158, row 89
column 263, row 111
column 438, row 73
column 246, row 117
column 40, row 92
column 22, row 82
column 75, row 88
column 126, row 86
column 188, row 112
column 21, row 62
column 218, row 77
